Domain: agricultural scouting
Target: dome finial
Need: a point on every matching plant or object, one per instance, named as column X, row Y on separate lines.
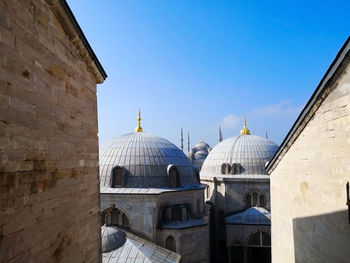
column 245, row 130
column 138, row 128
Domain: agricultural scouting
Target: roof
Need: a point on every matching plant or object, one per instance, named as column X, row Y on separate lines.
column 251, row 216
column 149, row 191
column 341, row 60
column 146, row 159
column 251, row 152
column 111, row 238
column 71, row 27
column 136, row 249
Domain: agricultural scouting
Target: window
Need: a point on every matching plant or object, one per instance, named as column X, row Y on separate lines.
column 170, row 243
column 117, row 176
column 255, row 198
column 225, row 168
column 236, row 168
column 168, row 214
column 183, row 213
column 260, row 239
column 173, row 177
column 116, row 217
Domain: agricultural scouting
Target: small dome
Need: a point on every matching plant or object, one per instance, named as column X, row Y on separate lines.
column 145, row 158
column 202, row 146
column 251, row 216
column 249, row 151
column 112, row 238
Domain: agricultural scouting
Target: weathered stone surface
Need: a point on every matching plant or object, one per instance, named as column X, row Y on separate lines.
column 308, row 194
column 49, row 196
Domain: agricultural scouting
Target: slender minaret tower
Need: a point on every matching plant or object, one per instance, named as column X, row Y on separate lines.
column 181, row 140
column 138, row 128
column 220, row 134
column 188, row 142
column 266, row 135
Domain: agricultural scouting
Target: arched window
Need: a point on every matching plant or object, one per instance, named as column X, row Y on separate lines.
column 255, row 198
column 117, row 176
column 225, row 168
column 174, row 180
column 260, row 239
column 236, row 168
column 170, row 243
column 116, row 217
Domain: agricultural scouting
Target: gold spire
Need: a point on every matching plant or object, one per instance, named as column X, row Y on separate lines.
column 245, row 130
column 138, row 128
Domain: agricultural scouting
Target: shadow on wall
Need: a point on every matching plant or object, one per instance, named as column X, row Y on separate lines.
column 322, row 238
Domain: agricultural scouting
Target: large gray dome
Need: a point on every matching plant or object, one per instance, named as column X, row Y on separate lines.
column 146, row 159
column 250, row 152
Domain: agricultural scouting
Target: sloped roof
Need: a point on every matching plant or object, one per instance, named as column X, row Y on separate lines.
column 250, row 216
column 323, row 89
column 136, row 249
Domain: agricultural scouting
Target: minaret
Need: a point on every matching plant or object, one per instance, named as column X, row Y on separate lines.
column 188, row 142
column 245, row 130
column 181, row 140
column 138, row 128
column 220, row 134
column 266, row 135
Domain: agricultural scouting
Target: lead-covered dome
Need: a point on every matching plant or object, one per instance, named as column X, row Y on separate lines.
column 244, row 154
column 144, row 161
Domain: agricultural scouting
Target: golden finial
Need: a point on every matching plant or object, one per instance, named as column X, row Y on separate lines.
column 245, row 130
column 138, row 128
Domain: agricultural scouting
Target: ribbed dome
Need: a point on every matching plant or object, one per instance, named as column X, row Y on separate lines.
column 202, row 146
column 249, row 151
column 146, row 158
column 112, row 238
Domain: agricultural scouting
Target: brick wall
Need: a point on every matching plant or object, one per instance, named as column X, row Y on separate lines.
column 49, row 193
column 309, row 215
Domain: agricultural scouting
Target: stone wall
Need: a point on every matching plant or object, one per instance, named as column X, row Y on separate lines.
column 308, row 194
column 49, row 194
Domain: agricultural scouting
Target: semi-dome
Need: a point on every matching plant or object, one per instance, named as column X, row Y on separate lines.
column 112, row 238
column 145, row 161
column 244, row 154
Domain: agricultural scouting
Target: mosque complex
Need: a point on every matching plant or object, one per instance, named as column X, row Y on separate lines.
column 209, row 206
column 139, row 197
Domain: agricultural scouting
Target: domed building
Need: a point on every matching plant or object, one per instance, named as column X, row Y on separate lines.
column 198, row 154
column 150, row 189
column 238, row 189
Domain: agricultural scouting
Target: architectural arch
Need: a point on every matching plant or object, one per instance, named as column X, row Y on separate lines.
column 115, row 217
column 236, row 168
column 255, row 197
column 118, row 177
column 174, row 176
column 259, row 247
column 225, row 168
column 170, row 243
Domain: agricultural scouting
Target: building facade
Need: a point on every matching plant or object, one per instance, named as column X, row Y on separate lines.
column 48, row 145
column 309, row 174
column 238, row 190
column 150, row 189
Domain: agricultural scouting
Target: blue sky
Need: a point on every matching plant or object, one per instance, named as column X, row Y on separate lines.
column 198, row 64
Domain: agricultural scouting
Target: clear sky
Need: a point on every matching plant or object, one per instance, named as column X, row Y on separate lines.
column 198, row 64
